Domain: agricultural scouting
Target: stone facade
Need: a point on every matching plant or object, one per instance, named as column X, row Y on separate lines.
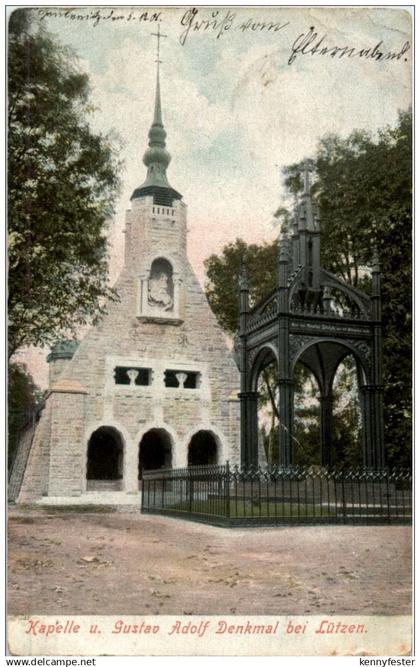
column 138, row 333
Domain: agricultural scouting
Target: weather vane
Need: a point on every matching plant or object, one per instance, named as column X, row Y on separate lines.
column 158, row 34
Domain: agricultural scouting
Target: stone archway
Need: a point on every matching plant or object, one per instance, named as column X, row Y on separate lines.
column 203, row 449
column 105, row 454
column 155, row 450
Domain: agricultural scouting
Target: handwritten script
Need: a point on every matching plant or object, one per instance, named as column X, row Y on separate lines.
column 218, row 22
column 221, row 21
column 312, row 44
column 96, row 16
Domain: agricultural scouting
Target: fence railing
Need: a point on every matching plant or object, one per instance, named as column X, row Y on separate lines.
column 230, row 495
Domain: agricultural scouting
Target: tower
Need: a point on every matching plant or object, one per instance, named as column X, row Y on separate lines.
column 154, row 384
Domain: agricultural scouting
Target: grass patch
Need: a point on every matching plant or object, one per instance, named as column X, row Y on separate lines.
column 248, row 510
column 79, row 509
column 22, row 519
column 47, row 510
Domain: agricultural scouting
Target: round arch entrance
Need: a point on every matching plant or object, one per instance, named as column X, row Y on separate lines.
column 105, row 455
column 259, row 409
column 328, row 362
column 155, row 450
column 202, row 449
column 263, row 406
column 306, row 439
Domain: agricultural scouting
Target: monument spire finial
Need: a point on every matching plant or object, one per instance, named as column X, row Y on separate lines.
column 306, row 181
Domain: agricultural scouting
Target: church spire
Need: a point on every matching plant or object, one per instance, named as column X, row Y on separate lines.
column 157, row 119
column 157, row 157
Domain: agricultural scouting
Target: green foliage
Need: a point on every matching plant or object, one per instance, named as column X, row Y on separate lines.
column 364, row 190
column 306, row 435
column 223, row 278
column 23, row 397
column 346, row 436
column 268, row 413
column 363, row 187
column 61, row 187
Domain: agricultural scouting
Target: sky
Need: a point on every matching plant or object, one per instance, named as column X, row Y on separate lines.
column 235, row 108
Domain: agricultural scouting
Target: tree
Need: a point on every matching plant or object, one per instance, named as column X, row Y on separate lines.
column 222, row 293
column 347, row 419
column 268, row 412
column 306, row 432
column 23, row 398
column 363, row 188
column 223, row 278
column 62, row 183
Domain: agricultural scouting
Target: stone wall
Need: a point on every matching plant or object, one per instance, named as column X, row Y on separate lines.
column 191, row 341
column 35, row 479
column 67, row 451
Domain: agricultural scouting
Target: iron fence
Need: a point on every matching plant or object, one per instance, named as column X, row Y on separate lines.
column 230, row 495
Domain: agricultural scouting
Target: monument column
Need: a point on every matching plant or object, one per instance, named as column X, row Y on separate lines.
column 285, row 381
column 377, row 390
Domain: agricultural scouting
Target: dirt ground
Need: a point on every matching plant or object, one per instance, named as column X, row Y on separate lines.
column 123, row 562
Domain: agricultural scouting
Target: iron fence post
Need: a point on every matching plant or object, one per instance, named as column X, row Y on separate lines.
column 190, row 490
column 343, row 497
column 227, row 490
column 173, row 491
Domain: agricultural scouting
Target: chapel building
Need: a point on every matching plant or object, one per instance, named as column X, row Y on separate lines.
column 154, row 385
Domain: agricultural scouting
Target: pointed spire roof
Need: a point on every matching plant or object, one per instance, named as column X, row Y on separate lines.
column 157, row 119
column 308, row 218
column 157, row 158
column 243, row 275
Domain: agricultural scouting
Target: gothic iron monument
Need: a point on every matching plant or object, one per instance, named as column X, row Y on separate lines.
column 314, row 318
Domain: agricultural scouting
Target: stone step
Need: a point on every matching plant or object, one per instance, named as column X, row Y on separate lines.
column 104, row 484
column 95, row 498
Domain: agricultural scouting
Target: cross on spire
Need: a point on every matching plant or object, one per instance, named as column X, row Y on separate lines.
column 158, row 34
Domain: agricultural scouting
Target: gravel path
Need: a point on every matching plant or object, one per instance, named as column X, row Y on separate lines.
column 128, row 563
